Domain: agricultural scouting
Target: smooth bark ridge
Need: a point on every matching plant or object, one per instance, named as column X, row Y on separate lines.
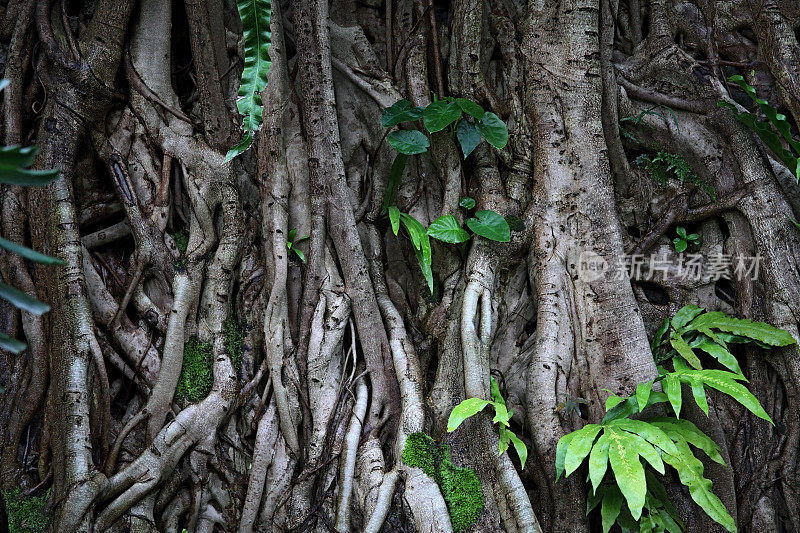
column 192, row 373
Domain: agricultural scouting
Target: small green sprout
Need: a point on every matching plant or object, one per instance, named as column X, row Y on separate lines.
column 292, row 241
column 683, row 240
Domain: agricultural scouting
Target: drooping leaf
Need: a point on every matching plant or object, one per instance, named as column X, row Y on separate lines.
column 721, row 354
column 659, row 336
column 447, row 229
column 726, row 382
column 609, row 511
column 505, row 439
column 628, row 470
column 598, row 461
column 468, row 136
column 408, row 142
column 440, row 114
column 490, row 225
column 470, row 108
column 580, row 446
column 561, row 452
column 422, row 246
column 690, row 471
column 759, row 331
column 12, row 345
column 255, row 16
column 678, row 430
column 657, row 491
column 464, row 410
column 396, row 172
column 643, row 394
column 400, row 111
column 22, row 301
column 493, row 130
column 394, row 218
column 27, row 253
column 240, row 147
column 699, row 393
column 14, row 159
column 672, row 388
column 519, row 446
column 685, row 351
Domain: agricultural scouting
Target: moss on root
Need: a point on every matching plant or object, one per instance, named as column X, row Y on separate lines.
column 460, row 487
column 197, row 374
column 234, row 338
column 26, row 514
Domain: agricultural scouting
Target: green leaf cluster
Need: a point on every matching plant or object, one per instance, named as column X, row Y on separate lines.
column 197, row 373
column 467, row 121
column 664, row 165
column 774, row 131
column 14, row 161
column 461, row 488
column 693, row 328
column 502, row 417
column 27, row 514
column 635, row 499
column 682, row 241
column 255, row 16
column 292, row 241
column 446, row 228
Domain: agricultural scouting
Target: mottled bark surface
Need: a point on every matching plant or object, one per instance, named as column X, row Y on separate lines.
column 320, row 370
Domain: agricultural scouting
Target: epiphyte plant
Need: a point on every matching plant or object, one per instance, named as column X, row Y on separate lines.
column 470, row 124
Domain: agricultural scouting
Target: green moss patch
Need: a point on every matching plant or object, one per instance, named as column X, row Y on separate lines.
column 234, row 338
column 197, row 374
column 26, row 514
column 460, row 487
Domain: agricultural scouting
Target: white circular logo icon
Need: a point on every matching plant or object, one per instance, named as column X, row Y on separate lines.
column 591, row 266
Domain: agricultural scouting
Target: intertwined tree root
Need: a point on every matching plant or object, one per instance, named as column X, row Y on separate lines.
column 319, row 371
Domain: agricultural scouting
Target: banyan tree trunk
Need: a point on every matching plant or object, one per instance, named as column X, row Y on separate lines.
column 313, row 373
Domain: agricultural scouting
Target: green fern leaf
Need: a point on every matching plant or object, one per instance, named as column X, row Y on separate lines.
column 628, row 470
column 580, row 447
column 255, row 15
column 683, row 430
column 598, row 461
column 726, row 382
column 758, row 331
column 690, row 471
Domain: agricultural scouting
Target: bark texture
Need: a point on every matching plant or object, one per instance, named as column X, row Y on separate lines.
column 313, row 374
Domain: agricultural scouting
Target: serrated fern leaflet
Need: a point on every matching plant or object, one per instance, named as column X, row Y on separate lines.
column 255, row 16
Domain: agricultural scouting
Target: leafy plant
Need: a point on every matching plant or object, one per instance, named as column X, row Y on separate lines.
column 255, row 16
column 14, row 163
column 775, row 131
column 693, row 327
column 682, row 241
column 502, row 417
column 470, row 124
column 664, row 165
column 635, row 499
column 292, row 241
column 461, row 488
